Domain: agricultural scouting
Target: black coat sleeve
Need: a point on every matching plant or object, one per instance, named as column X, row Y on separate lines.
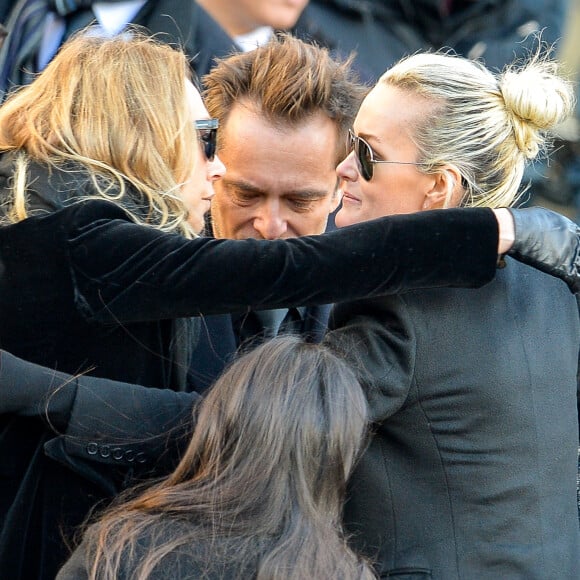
column 30, row 390
column 100, row 421
column 125, row 425
column 119, row 434
column 127, row 272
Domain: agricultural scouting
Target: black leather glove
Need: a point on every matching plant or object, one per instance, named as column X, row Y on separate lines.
column 548, row 241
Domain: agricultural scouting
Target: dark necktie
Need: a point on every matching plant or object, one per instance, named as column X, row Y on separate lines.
column 256, row 326
column 25, row 27
column 292, row 322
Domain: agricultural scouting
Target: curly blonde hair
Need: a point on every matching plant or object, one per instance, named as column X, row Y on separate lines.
column 117, row 107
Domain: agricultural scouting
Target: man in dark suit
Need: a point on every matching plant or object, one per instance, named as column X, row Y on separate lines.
column 281, row 138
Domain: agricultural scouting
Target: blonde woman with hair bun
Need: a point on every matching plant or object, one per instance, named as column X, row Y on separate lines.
column 471, row 472
column 483, row 127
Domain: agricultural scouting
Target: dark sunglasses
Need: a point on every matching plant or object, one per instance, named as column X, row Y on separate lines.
column 207, row 133
column 365, row 156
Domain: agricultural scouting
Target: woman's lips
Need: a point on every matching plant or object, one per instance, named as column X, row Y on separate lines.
column 349, row 197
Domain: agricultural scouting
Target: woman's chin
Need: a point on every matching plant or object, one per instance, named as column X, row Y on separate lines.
column 196, row 223
column 346, row 217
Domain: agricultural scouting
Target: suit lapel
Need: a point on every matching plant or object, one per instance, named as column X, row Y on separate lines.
column 215, row 348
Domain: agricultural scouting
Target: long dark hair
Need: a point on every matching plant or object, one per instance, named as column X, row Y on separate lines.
column 261, row 486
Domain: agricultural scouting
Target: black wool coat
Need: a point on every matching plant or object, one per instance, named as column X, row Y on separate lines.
column 471, row 472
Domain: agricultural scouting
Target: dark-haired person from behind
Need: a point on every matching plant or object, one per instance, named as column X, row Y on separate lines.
column 259, row 491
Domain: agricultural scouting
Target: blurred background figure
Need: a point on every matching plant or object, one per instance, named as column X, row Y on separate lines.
column 252, row 23
column 37, row 28
column 559, row 185
column 383, row 31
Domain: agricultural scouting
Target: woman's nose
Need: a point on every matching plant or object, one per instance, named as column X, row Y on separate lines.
column 347, row 168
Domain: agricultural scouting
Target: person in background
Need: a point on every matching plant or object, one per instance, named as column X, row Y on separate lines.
column 471, row 470
column 270, row 102
column 251, row 23
column 381, row 32
column 37, row 28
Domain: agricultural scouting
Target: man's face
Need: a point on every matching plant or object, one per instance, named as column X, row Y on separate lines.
column 281, row 181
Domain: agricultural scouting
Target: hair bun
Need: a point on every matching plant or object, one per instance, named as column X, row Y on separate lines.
column 537, row 100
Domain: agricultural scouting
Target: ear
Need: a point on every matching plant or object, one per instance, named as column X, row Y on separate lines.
column 446, row 190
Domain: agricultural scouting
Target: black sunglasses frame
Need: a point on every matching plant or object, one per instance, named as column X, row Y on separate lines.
column 207, row 134
column 365, row 156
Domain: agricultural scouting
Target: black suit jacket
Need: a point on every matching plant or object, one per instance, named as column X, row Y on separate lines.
column 217, row 342
column 186, row 24
column 113, row 434
column 471, row 473
column 182, row 23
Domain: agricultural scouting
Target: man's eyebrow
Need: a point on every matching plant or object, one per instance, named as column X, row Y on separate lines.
column 309, row 193
column 247, row 187
column 242, row 185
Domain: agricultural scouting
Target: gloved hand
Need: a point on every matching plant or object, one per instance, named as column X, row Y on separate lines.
column 548, row 241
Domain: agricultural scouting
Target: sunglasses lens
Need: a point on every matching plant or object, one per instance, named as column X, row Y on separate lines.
column 209, row 138
column 364, row 156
